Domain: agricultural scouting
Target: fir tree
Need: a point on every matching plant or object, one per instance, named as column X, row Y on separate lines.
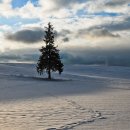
column 50, row 59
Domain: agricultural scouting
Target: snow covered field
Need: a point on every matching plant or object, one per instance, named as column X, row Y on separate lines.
column 82, row 98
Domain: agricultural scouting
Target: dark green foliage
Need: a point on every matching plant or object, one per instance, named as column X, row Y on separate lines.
column 50, row 59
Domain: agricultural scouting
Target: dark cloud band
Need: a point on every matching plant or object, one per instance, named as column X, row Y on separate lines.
column 27, row 36
column 96, row 32
column 117, row 57
column 34, row 35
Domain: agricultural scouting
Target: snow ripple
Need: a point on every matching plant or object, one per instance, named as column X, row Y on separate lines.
column 57, row 114
column 84, row 116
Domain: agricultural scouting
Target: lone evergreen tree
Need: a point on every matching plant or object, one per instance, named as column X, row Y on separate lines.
column 50, row 59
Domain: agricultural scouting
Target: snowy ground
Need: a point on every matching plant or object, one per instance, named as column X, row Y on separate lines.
column 83, row 98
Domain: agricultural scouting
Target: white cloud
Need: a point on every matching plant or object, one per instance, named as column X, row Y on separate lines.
column 5, row 28
column 28, row 11
column 6, row 8
column 116, row 6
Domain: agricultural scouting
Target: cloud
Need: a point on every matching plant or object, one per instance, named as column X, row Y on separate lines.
column 117, row 3
column 5, row 28
column 63, row 33
column 96, row 33
column 20, row 55
column 32, row 35
column 111, row 57
column 5, row 8
column 119, row 26
column 35, row 34
column 95, row 30
column 66, row 39
column 62, row 8
column 58, row 4
column 115, row 6
column 122, row 24
column 19, row 58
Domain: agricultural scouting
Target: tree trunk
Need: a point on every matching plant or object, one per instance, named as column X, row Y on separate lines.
column 49, row 74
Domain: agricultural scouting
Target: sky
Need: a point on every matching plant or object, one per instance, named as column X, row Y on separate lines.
column 87, row 31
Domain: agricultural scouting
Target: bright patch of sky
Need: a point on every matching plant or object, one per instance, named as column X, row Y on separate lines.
column 21, row 3
column 81, row 12
column 108, row 14
column 15, row 20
